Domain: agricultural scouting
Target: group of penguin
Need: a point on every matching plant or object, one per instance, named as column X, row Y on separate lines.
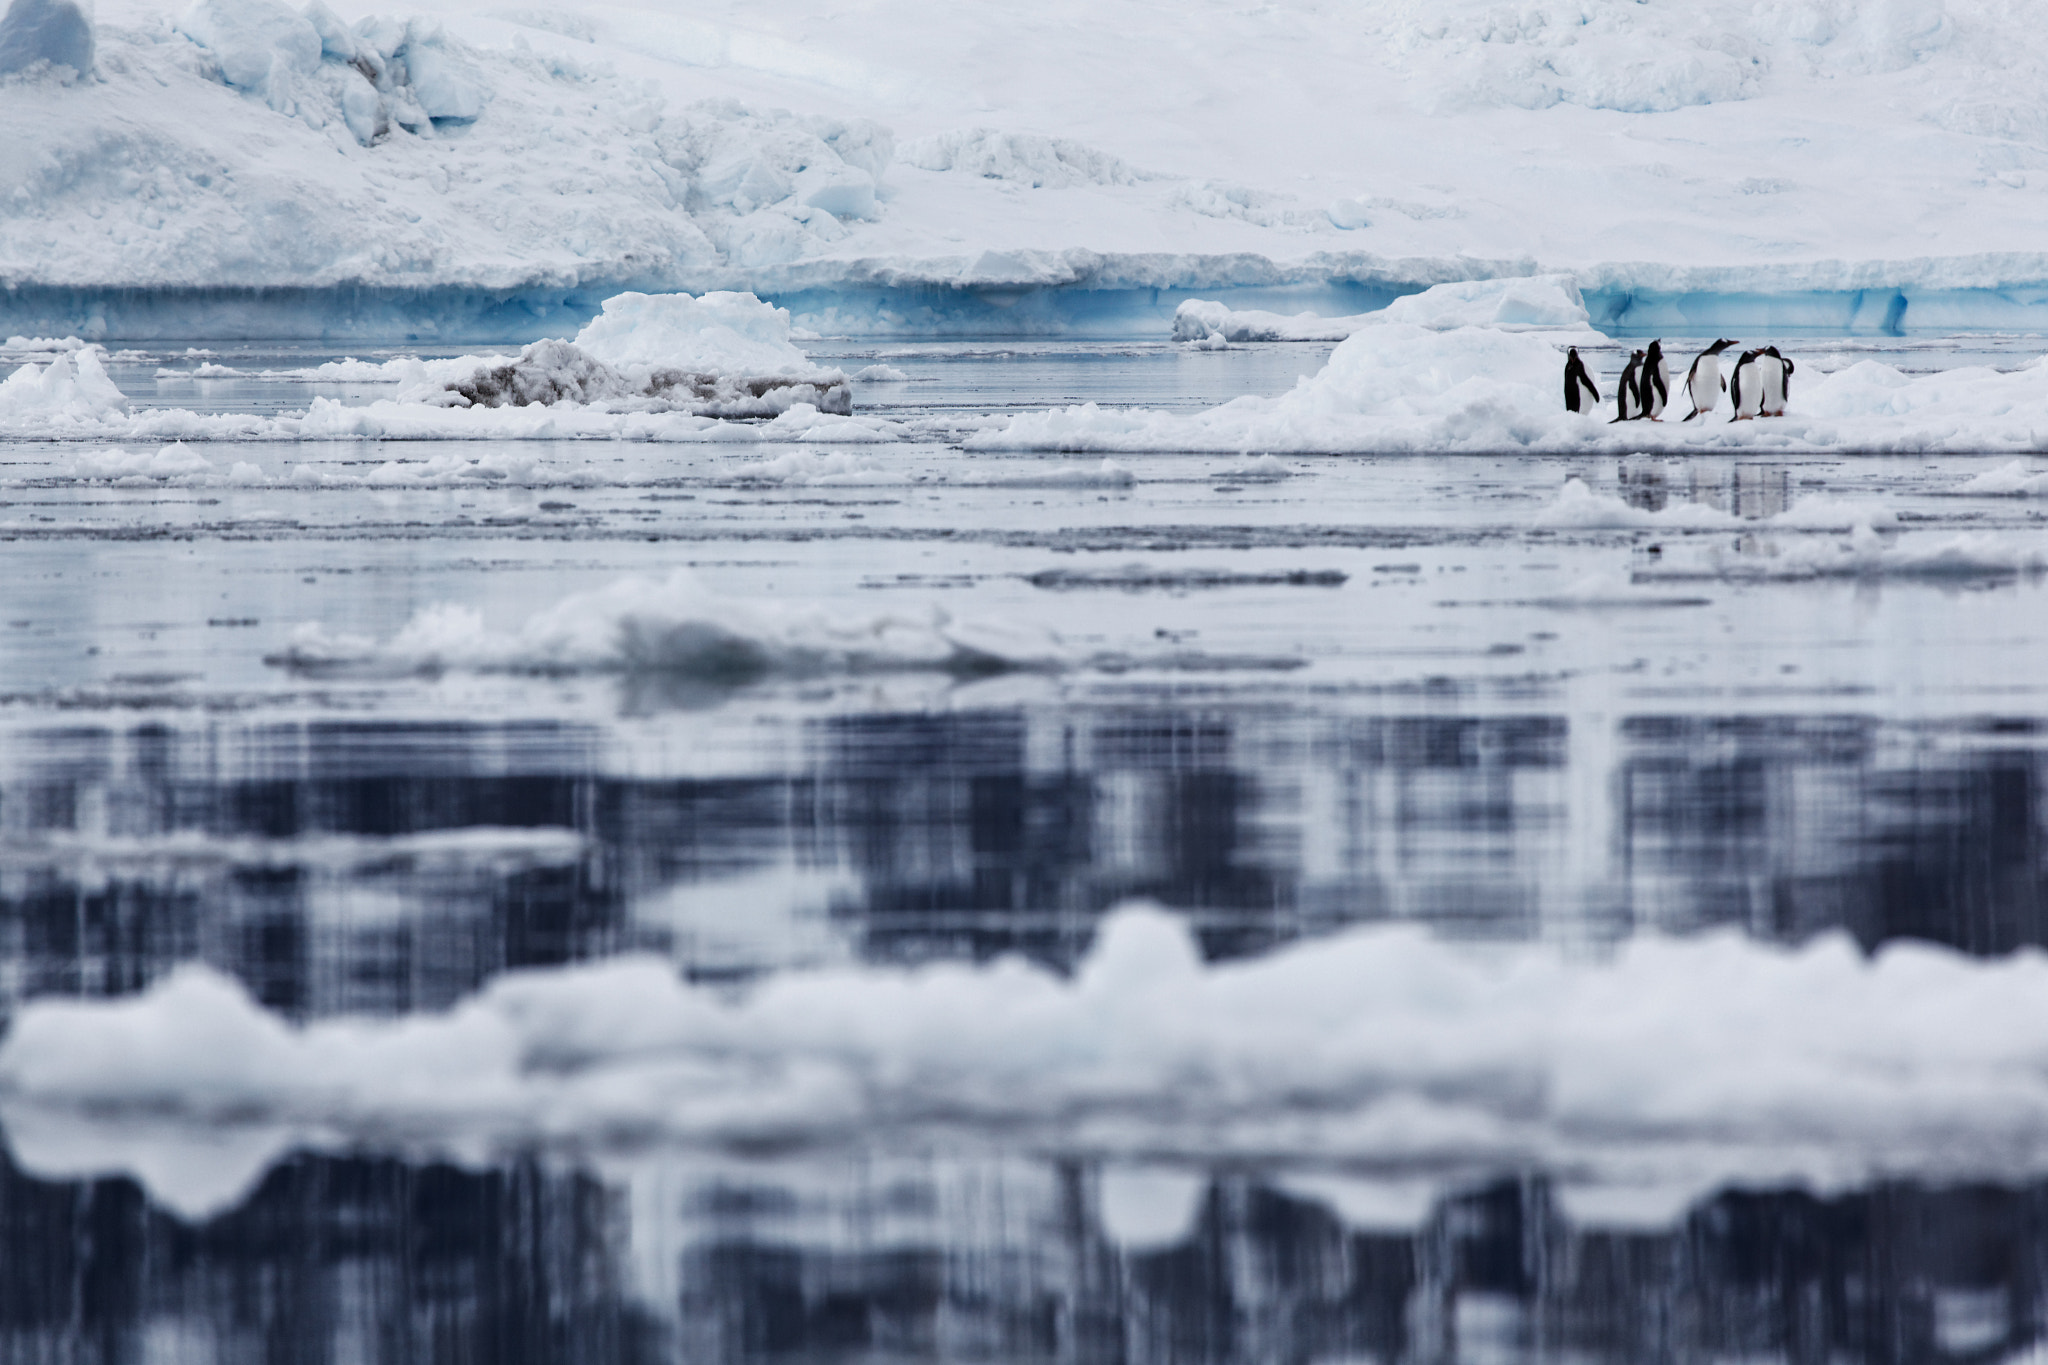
column 1760, row 383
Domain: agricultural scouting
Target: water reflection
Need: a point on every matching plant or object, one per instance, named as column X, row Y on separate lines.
column 387, row 867
column 362, row 1259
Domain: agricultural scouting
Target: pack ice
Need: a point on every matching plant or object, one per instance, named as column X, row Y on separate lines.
column 1681, row 1063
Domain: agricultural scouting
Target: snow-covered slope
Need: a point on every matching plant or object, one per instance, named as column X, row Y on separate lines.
column 1884, row 155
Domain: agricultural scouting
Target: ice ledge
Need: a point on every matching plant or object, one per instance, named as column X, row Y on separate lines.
column 1067, row 292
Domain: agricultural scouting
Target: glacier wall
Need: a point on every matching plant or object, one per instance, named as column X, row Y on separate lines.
column 465, row 316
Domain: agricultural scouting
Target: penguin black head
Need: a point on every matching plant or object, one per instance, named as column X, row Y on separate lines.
column 1657, row 347
column 1721, row 346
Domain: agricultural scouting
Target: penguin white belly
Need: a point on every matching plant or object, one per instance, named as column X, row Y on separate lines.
column 1705, row 387
column 1656, row 390
column 1588, row 399
column 1747, row 389
column 1770, row 385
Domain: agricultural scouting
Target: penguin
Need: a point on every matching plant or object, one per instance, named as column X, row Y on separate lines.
column 1776, row 388
column 1579, row 393
column 1703, row 382
column 1655, row 382
column 1746, row 386
column 1628, row 399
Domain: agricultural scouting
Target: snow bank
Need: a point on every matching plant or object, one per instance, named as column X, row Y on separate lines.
column 1437, row 381
column 675, row 627
column 1020, row 158
column 1678, row 1062
column 1204, row 322
column 1537, row 303
column 53, row 31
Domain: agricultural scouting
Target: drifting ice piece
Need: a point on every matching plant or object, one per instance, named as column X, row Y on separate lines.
column 53, row 31
column 719, row 355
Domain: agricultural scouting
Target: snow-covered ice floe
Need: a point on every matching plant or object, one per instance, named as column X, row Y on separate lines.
column 1401, row 386
column 1536, row 303
column 649, row 367
column 1687, row 1062
column 676, row 627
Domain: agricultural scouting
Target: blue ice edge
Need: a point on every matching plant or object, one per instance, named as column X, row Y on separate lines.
column 427, row 316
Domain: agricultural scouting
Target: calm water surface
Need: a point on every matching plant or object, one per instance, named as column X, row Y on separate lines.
column 1293, row 700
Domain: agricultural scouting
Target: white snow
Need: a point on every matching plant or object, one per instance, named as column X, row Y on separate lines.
column 1679, row 1062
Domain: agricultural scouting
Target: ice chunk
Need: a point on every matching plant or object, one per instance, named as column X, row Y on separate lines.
column 545, row 372
column 248, row 37
column 442, row 79
column 715, row 333
column 1536, row 301
column 72, row 388
column 337, row 40
column 1209, row 325
column 1533, row 303
column 53, row 31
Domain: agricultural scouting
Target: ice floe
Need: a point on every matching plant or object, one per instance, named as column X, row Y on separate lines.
column 1464, row 368
column 1535, row 303
column 676, row 627
column 1691, row 1062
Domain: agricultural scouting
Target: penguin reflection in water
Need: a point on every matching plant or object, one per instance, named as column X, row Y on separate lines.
column 1628, row 396
column 1579, row 393
column 1703, row 382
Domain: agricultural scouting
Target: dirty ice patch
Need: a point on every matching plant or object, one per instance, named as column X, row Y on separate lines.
column 1688, row 1062
column 678, row 628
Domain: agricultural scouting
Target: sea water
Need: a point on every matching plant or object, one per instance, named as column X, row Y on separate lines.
column 859, row 714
